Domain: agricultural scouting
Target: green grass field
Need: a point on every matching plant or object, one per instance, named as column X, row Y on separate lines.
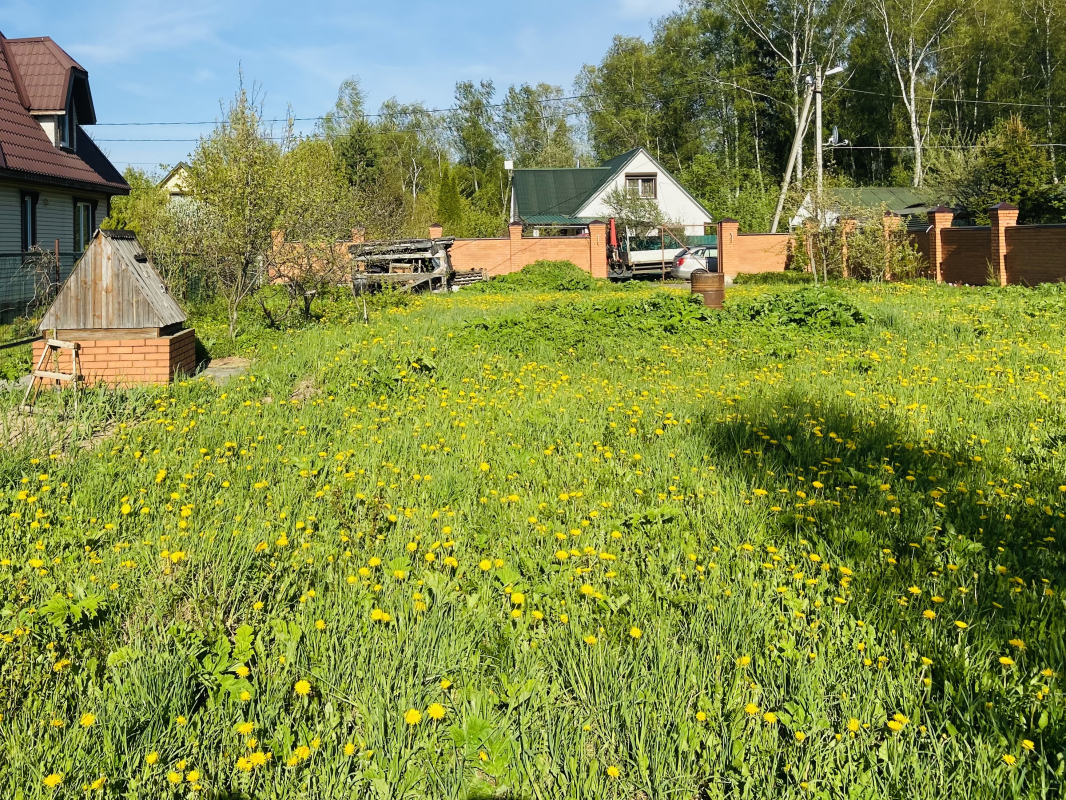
column 584, row 544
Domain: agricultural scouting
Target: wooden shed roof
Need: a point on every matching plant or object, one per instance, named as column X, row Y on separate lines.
column 113, row 285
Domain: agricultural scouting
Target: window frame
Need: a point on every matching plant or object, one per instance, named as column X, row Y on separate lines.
column 641, row 179
column 90, row 229
column 28, row 234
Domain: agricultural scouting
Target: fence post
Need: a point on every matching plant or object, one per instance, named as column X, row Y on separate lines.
column 728, row 230
column 598, row 249
column 514, row 232
column 939, row 219
column 1003, row 216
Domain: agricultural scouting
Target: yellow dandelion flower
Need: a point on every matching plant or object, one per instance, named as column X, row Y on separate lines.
column 303, row 688
column 412, row 716
column 435, row 711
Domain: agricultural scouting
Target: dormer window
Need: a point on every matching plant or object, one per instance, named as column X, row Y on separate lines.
column 67, row 124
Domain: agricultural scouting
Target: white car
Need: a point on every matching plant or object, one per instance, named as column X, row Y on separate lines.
column 688, row 261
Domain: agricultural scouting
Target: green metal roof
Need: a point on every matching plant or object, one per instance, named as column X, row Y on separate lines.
column 556, row 219
column 895, row 198
column 543, row 193
column 553, row 192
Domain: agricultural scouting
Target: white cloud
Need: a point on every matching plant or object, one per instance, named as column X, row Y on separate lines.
column 150, row 27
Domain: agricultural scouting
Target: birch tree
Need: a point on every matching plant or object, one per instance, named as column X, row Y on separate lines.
column 1047, row 28
column 914, row 34
column 801, row 34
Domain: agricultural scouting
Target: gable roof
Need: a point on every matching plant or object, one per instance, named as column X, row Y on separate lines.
column 620, row 162
column 26, row 153
column 554, row 192
column 557, row 196
column 113, row 285
column 546, row 193
column 48, row 73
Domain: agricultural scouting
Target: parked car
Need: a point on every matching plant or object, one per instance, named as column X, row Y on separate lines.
column 688, row 261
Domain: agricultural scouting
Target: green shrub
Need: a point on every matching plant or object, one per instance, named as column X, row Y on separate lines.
column 790, row 277
column 541, row 276
column 810, row 307
column 589, row 322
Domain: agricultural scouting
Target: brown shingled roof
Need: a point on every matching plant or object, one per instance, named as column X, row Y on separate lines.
column 45, row 68
column 26, row 152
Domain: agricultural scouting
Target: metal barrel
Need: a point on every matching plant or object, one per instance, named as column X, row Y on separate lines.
column 711, row 285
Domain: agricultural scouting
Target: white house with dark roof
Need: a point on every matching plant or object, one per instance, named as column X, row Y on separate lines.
column 570, row 198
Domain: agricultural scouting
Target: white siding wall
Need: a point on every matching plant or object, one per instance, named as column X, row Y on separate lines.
column 49, row 125
column 10, row 220
column 676, row 205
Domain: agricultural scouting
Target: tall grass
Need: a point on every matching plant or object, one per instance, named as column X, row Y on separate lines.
column 649, row 553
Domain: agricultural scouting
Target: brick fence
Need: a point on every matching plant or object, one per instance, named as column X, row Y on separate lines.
column 129, row 362
column 751, row 252
column 1004, row 252
column 504, row 255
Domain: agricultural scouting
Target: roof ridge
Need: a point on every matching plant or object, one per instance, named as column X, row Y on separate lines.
column 16, row 75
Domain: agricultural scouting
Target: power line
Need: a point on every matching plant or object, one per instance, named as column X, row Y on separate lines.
column 1009, row 103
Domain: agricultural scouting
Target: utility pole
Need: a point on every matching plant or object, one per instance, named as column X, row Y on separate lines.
column 801, row 131
column 819, row 78
column 818, row 137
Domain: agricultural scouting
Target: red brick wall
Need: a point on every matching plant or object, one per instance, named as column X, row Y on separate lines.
column 1009, row 253
column 502, row 256
column 1036, row 254
column 966, row 254
column 751, row 252
column 921, row 242
column 130, row 362
column 491, row 255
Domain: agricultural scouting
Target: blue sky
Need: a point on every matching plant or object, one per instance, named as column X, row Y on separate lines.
column 176, row 60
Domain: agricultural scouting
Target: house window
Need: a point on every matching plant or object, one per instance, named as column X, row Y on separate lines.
column 641, row 185
column 28, row 215
column 83, row 225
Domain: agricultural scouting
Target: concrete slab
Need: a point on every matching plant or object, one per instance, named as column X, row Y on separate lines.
column 220, row 370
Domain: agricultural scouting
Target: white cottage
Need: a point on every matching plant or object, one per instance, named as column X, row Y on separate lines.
column 568, row 199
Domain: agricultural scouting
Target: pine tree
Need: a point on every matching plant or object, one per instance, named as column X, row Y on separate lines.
column 449, row 205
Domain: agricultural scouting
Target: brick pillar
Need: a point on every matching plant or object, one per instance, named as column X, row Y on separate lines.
column 277, row 239
column 514, row 231
column 1003, row 216
column 358, row 235
column 939, row 219
column 598, row 249
column 847, row 227
column 890, row 223
column 436, row 230
column 728, row 230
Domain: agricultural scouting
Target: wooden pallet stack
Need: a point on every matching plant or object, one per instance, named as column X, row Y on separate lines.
column 409, row 262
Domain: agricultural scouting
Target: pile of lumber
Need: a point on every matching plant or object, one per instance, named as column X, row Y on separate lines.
column 401, row 256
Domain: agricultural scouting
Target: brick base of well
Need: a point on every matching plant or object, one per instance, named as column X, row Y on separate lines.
column 129, row 362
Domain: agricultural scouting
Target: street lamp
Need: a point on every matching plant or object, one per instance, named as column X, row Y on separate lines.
column 819, row 77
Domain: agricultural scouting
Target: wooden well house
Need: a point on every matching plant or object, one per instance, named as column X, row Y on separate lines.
column 114, row 305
